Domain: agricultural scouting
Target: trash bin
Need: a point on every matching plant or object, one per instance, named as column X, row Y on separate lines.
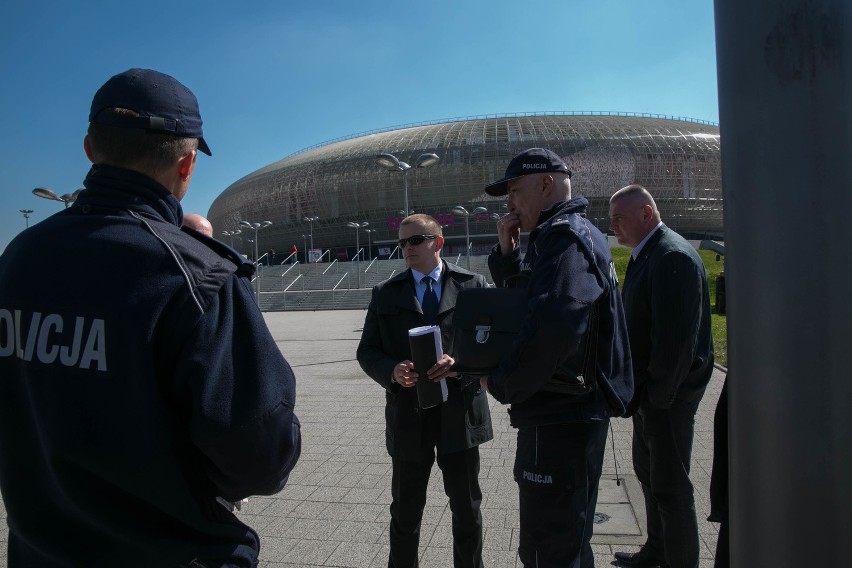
column 720, row 293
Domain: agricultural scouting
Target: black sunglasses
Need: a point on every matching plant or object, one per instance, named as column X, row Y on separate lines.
column 415, row 240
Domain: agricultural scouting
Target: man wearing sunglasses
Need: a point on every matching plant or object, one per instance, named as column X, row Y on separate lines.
column 569, row 369
column 425, row 294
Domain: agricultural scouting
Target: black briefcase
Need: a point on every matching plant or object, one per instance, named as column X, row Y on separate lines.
column 486, row 322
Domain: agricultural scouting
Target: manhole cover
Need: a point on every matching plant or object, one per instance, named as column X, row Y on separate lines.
column 600, row 518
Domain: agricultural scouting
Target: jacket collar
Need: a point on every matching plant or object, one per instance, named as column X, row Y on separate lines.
column 406, row 298
column 648, row 247
column 575, row 205
column 546, row 217
column 113, row 188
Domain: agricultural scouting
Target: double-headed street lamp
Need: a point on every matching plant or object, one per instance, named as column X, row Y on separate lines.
column 67, row 199
column 256, row 227
column 311, row 221
column 26, row 213
column 392, row 163
column 460, row 211
column 232, row 234
column 357, row 227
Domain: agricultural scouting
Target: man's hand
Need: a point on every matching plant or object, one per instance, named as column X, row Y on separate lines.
column 441, row 369
column 508, row 233
column 404, row 374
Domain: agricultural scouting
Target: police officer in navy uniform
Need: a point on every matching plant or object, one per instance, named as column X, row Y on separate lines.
column 569, row 370
column 141, row 393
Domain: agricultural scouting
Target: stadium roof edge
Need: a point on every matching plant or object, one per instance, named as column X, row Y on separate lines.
column 501, row 115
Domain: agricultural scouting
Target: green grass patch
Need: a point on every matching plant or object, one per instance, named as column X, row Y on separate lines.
column 620, row 256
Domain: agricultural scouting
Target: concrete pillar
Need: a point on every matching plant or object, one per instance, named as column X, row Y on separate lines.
column 785, row 108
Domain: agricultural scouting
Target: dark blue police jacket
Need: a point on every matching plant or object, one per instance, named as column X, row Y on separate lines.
column 570, row 268
column 138, row 383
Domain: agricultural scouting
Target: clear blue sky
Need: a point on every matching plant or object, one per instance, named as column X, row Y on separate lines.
column 274, row 77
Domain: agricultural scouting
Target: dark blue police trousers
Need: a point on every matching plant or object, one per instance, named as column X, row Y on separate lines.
column 557, row 469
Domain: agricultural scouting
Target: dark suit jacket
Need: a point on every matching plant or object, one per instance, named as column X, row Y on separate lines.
column 393, row 310
column 667, row 305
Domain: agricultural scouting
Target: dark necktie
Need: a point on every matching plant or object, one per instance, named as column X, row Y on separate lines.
column 430, row 302
column 629, row 264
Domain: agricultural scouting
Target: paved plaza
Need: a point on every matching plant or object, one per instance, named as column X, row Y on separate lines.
column 334, row 510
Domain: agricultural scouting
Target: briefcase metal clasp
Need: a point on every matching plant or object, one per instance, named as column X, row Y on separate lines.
column 482, row 333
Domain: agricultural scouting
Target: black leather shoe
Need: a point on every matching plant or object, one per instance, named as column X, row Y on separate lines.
column 641, row 559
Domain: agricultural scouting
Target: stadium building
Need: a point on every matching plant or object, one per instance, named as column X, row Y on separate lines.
column 316, row 195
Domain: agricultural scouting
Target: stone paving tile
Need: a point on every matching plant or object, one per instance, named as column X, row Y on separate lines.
column 381, row 559
column 364, row 496
column 311, row 552
column 495, row 538
column 376, row 533
column 354, row 555
column 369, row 513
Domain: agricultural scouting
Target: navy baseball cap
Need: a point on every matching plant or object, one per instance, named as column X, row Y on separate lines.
column 530, row 161
column 162, row 102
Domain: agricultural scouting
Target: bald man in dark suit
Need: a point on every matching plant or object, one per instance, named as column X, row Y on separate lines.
column 667, row 306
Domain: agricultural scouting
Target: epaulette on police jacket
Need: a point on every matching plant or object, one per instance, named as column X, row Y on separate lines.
column 204, row 262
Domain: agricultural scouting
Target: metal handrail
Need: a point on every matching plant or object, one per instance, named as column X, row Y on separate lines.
column 290, row 268
column 358, row 255
column 291, row 255
column 257, row 262
column 322, row 276
column 284, row 292
column 458, row 259
column 327, row 252
column 334, row 289
column 357, row 258
column 293, row 282
column 283, row 274
column 372, row 262
column 342, row 278
column 333, row 262
column 394, row 251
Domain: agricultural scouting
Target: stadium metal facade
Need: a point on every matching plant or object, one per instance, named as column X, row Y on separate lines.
column 339, row 182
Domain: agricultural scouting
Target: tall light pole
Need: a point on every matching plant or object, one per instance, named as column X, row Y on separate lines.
column 26, row 213
column 369, row 243
column 311, row 221
column 357, row 227
column 232, row 234
column 305, row 242
column 67, row 199
column 460, row 211
column 256, row 227
column 392, row 163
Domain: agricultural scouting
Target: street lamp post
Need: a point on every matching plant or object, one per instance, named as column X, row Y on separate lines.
column 67, row 199
column 311, row 221
column 305, row 242
column 392, row 163
column 369, row 243
column 357, row 227
column 26, row 213
column 256, row 227
column 460, row 211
